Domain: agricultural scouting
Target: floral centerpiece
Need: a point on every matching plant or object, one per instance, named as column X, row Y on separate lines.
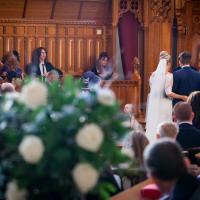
column 56, row 141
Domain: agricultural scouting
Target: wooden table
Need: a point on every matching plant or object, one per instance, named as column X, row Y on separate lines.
column 133, row 193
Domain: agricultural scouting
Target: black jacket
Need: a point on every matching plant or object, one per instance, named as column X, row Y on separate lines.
column 188, row 136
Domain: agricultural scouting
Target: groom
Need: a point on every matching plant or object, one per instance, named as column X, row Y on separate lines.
column 186, row 80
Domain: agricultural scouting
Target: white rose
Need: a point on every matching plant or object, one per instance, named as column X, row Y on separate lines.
column 90, row 137
column 14, row 193
column 128, row 152
column 31, row 149
column 106, row 96
column 34, row 94
column 126, row 124
column 85, row 176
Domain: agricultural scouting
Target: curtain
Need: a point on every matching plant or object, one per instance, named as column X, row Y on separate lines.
column 128, row 36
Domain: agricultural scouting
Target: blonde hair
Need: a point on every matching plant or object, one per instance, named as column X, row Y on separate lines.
column 139, row 143
column 168, row 129
column 165, row 55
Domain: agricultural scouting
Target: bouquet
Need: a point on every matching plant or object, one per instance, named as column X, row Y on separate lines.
column 55, row 141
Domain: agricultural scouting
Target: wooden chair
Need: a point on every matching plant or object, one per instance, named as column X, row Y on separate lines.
column 191, row 154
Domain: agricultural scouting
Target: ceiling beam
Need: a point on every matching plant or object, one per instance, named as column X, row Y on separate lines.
column 80, row 10
column 53, row 9
column 24, row 9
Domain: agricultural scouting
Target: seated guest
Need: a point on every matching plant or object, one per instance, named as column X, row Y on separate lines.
column 91, row 78
column 167, row 129
column 16, row 54
column 165, row 164
column 11, row 69
column 102, row 67
column 194, row 101
column 7, row 87
column 139, row 143
column 39, row 65
column 52, row 76
column 188, row 136
column 129, row 110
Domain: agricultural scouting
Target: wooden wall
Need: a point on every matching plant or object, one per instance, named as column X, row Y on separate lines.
column 96, row 10
column 188, row 14
column 74, row 32
column 71, row 46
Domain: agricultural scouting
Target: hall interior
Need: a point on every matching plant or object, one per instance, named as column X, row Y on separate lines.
column 75, row 32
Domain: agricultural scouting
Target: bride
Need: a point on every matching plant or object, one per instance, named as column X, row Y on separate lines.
column 159, row 103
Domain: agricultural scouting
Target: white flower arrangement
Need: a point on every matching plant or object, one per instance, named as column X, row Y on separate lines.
column 59, row 150
column 31, row 149
column 85, row 177
column 90, row 137
column 14, row 193
column 106, row 96
column 34, row 94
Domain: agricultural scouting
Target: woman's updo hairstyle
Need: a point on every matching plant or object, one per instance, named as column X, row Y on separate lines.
column 165, row 55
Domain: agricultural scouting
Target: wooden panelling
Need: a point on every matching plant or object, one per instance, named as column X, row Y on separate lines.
column 97, row 10
column 70, row 54
column 38, row 9
column 66, row 9
column 31, row 44
column 9, row 43
column 1, row 46
column 71, row 47
column 51, row 44
column 11, row 8
column 20, row 48
column 127, row 92
column 80, row 54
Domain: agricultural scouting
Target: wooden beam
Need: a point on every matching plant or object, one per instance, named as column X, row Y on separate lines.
column 53, row 9
column 24, row 9
column 80, row 10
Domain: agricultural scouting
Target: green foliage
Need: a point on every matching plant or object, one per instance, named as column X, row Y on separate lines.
column 57, row 124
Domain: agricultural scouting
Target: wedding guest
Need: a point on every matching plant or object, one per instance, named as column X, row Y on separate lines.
column 185, row 80
column 16, row 54
column 167, row 129
column 11, row 68
column 166, row 166
column 194, row 101
column 39, row 65
column 91, row 78
column 7, row 87
column 134, row 125
column 188, row 136
column 52, row 76
column 129, row 110
column 103, row 67
column 139, row 143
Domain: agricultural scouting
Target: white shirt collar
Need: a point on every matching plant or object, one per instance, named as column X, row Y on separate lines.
column 185, row 66
column 184, row 122
column 41, row 69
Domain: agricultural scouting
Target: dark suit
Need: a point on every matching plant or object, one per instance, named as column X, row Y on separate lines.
column 34, row 69
column 186, row 80
column 185, row 187
column 188, row 136
column 178, row 68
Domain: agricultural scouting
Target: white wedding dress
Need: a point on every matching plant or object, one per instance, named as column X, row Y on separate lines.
column 159, row 106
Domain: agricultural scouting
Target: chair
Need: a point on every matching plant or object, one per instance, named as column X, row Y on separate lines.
column 191, row 155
